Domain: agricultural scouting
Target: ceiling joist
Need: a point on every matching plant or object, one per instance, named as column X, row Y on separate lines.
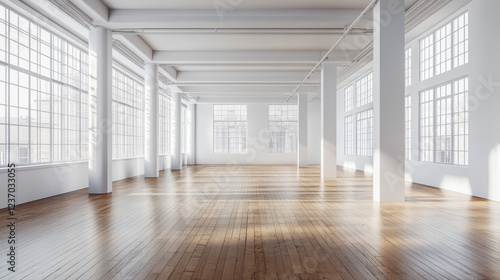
column 248, row 57
column 237, row 18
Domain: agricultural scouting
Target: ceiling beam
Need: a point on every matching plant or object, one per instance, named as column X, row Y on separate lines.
column 137, row 45
column 245, row 76
column 231, row 89
column 169, row 72
column 94, row 9
column 209, row 18
column 50, row 16
column 249, row 57
column 241, row 84
column 244, row 99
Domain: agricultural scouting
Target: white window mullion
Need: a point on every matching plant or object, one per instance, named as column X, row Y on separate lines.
column 283, row 118
column 230, row 129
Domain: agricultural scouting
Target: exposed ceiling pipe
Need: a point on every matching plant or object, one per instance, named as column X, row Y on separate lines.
column 296, row 31
column 414, row 15
column 132, row 56
column 72, row 10
column 325, row 57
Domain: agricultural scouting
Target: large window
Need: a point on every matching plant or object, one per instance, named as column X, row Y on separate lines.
column 364, row 133
column 444, row 123
column 43, row 94
column 408, row 127
column 358, row 139
column 189, row 127
column 427, row 57
column 164, row 122
column 283, row 127
column 183, row 129
column 230, row 129
column 427, row 125
column 349, row 98
column 443, row 49
column 446, row 48
column 408, row 67
column 349, row 135
column 128, row 116
column 364, row 90
column 461, row 40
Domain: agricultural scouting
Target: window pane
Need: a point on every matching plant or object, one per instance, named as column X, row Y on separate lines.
column 34, row 109
column 444, row 123
column 230, row 129
column 128, row 111
column 349, row 135
column 364, row 133
column 283, row 128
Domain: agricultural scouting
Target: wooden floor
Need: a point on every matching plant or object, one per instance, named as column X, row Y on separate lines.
column 255, row 222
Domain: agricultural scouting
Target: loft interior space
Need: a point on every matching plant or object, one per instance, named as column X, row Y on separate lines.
column 238, row 139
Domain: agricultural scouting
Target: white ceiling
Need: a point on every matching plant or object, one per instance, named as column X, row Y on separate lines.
column 238, row 4
column 195, row 39
column 244, row 68
column 249, row 42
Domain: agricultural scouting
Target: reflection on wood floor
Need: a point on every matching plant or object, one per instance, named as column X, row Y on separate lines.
column 255, row 222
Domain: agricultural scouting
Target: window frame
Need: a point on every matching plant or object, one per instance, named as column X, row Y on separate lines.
column 128, row 104
column 433, row 128
column 56, row 125
column 285, row 123
column 349, row 98
column 164, row 118
column 225, row 128
column 364, row 90
column 364, row 133
column 408, row 127
column 431, row 51
column 349, row 140
column 408, row 67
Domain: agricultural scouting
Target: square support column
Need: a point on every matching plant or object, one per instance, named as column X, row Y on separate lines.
column 192, row 132
column 176, row 152
column 329, row 120
column 302, row 143
column 100, row 101
column 152, row 124
column 388, row 101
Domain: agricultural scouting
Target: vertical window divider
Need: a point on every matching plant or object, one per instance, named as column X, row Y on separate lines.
column 7, row 83
column 452, row 121
column 434, row 127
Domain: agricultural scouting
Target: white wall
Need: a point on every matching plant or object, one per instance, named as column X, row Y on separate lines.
column 482, row 176
column 37, row 182
column 314, row 132
column 258, row 139
column 126, row 168
column 164, row 162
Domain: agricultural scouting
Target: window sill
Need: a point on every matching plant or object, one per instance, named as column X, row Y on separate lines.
column 128, row 158
column 43, row 166
column 440, row 164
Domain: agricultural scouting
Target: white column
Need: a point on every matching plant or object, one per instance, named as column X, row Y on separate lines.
column 192, row 148
column 302, row 133
column 183, row 135
column 388, row 101
column 152, row 124
column 484, row 100
column 329, row 120
column 100, row 132
column 176, row 152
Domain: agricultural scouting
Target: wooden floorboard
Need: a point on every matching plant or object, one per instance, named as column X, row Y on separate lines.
column 255, row 222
